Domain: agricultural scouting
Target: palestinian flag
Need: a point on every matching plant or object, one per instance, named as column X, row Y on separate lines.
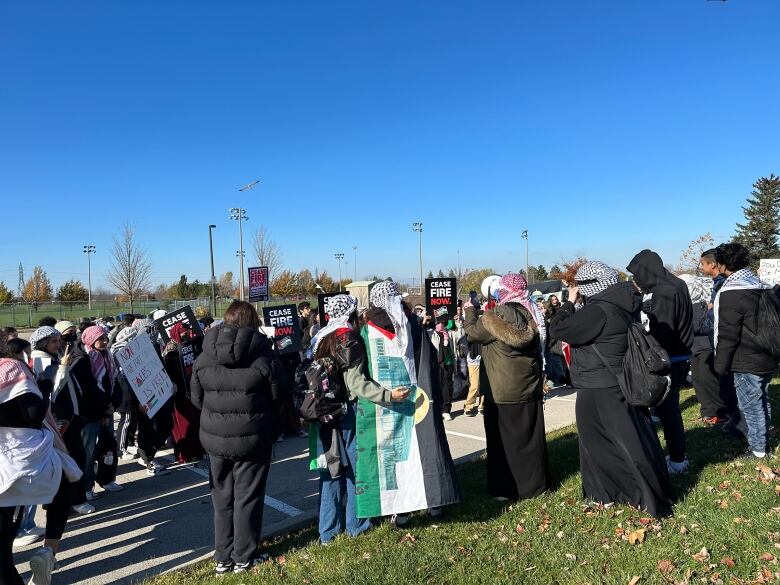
column 403, row 459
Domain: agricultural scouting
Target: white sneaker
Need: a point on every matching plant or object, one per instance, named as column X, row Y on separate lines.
column 92, row 495
column 30, row 537
column 446, row 416
column 113, row 487
column 84, row 509
column 156, row 469
column 132, row 449
column 675, row 468
column 42, row 563
column 128, row 455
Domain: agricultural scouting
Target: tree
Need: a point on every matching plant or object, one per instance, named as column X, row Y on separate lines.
column 306, row 283
column 689, row 259
column 430, row 274
column 285, row 284
column 761, row 229
column 555, row 272
column 180, row 290
column 73, row 290
column 440, row 274
column 267, row 252
column 161, row 292
column 131, row 270
column 38, row 288
column 326, row 282
column 570, row 268
column 225, row 286
column 472, row 279
column 6, row 294
column 540, row 273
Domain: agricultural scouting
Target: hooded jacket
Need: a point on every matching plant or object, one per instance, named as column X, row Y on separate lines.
column 235, row 382
column 511, row 370
column 738, row 347
column 671, row 313
column 603, row 322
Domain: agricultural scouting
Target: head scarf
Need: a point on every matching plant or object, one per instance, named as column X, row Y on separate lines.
column 340, row 308
column 98, row 359
column 595, row 277
column 699, row 287
column 385, row 295
column 41, row 335
column 513, row 288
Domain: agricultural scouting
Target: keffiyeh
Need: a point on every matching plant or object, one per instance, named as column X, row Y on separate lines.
column 340, row 308
column 98, row 359
column 513, row 288
column 385, row 295
column 40, row 335
column 595, row 277
column 699, row 288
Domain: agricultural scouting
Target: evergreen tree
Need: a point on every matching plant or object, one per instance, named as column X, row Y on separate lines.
column 761, row 229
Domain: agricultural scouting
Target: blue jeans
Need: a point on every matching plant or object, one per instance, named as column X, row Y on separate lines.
column 28, row 520
column 753, row 400
column 337, row 496
column 89, row 436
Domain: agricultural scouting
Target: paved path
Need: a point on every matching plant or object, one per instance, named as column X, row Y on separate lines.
column 161, row 523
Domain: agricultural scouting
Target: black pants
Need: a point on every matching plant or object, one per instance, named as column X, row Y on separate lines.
column 711, row 391
column 671, row 417
column 57, row 511
column 125, row 430
column 445, row 379
column 237, row 496
column 75, row 445
column 10, row 519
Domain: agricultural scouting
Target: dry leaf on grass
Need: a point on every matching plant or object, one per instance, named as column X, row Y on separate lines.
column 728, row 561
column 665, row 566
column 637, row 536
column 765, row 474
column 769, row 557
column 634, row 580
column 702, row 556
column 645, row 521
column 408, row 538
column 519, row 528
column 722, row 504
column 571, row 557
column 559, row 534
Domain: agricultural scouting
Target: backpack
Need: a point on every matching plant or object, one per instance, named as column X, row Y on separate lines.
column 323, row 401
column 769, row 321
column 643, row 378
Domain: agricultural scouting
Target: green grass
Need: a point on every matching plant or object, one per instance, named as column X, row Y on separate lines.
column 723, row 507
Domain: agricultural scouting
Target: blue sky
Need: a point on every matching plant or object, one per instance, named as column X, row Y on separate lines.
column 601, row 127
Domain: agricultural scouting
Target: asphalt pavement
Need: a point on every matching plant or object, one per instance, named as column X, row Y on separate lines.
column 163, row 523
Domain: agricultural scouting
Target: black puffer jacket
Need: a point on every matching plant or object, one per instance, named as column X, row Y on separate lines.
column 236, row 382
column 738, row 349
column 671, row 320
column 602, row 322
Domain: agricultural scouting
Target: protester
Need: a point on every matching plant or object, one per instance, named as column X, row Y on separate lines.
column 47, row 322
column 304, row 313
column 737, row 349
column 9, row 333
column 443, row 342
column 620, row 455
column 236, row 383
column 474, row 400
column 511, row 381
column 670, row 318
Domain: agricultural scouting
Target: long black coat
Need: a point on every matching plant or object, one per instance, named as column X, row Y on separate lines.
column 236, row 382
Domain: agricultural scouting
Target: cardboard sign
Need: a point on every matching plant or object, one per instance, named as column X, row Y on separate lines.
column 287, row 328
column 322, row 306
column 185, row 316
column 145, row 373
column 441, row 298
column 769, row 270
column 258, row 284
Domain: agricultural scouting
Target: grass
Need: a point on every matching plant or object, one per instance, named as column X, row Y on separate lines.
column 726, row 529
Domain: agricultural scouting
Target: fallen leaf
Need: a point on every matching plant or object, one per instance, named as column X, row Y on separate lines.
column 765, row 474
column 502, row 538
column 531, row 568
column 408, row 538
column 571, row 557
column 728, row 561
column 737, row 496
column 366, row 555
column 665, row 566
column 619, row 531
column 777, row 490
column 519, row 528
column 637, row 536
column 724, row 485
column 559, row 534
column 702, row 556
column 645, row 521
column 722, row 504
column 683, row 530
column 634, row 580
column 767, row 557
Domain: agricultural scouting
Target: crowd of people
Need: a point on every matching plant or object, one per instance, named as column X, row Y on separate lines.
column 68, row 414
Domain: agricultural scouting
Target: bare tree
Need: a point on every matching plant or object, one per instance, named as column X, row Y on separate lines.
column 131, row 270
column 267, row 252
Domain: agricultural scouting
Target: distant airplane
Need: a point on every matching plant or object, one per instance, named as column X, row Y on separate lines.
column 248, row 186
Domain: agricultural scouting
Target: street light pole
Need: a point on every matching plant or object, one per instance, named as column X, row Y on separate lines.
column 339, row 256
column 355, row 249
column 527, row 266
column 417, row 226
column 238, row 214
column 89, row 249
column 213, row 277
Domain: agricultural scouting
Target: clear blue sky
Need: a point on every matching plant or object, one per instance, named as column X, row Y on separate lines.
column 602, row 127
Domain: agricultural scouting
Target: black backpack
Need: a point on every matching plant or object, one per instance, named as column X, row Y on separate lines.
column 769, row 321
column 324, row 400
column 643, row 379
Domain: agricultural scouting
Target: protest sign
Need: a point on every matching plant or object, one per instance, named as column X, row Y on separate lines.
column 441, row 298
column 189, row 351
column 287, row 329
column 769, row 270
column 322, row 306
column 258, row 284
column 145, row 373
column 169, row 321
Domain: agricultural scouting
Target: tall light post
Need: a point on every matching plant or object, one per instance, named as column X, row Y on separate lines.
column 354, row 248
column 213, row 277
column 238, row 214
column 89, row 249
column 339, row 256
column 527, row 271
column 417, row 226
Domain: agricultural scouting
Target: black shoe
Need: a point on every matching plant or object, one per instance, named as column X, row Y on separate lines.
column 244, row 567
column 470, row 412
column 224, row 568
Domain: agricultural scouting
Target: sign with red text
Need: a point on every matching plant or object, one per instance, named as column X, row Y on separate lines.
column 258, row 284
column 145, row 373
column 441, row 298
column 287, row 329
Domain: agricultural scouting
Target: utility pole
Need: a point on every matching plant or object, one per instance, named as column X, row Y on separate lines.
column 527, row 266
column 213, row 277
column 21, row 280
column 89, row 249
column 339, row 256
column 417, row 226
column 238, row 214
column 355, row 250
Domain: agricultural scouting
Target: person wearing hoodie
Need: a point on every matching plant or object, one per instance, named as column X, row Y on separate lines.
column 620, row 455
column 737, row 349
column 511, row 383
column 237, row 383
column 670, row 316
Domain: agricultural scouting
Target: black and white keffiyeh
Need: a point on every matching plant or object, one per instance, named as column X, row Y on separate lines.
column 340, row 308
column 42, row 334
column 595, row 277
column 385, row 295
column 699, row 288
